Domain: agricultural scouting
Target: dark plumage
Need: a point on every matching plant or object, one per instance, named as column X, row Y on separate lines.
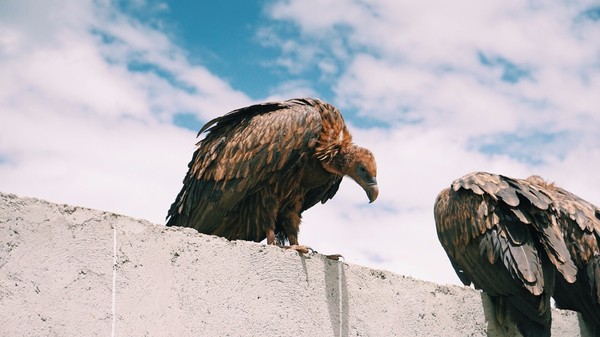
column 580, row 224
column 260, row 167
column 502, row 235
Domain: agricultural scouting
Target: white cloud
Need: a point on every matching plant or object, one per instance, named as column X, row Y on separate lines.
column 80, row 125
column 425, row 62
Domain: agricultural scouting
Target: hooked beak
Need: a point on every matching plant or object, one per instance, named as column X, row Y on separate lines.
column 372, row 190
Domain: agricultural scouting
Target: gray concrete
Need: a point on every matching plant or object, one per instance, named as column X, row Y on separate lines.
column 72, row 271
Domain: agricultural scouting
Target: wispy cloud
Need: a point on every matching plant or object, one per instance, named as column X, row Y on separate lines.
column 432, row 57
column 474, row 68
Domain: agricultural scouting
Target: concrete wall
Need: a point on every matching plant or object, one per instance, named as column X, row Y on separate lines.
column 72, row 271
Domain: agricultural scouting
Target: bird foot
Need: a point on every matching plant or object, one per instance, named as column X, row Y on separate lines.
column 335, row 257
column 305, row 250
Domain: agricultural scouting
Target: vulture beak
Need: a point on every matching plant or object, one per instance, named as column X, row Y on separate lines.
column 372, row 189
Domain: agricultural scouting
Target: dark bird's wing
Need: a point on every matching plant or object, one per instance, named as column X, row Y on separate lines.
column 243, row 153
column 499, row 235
column 580, row 222
column 520, row 213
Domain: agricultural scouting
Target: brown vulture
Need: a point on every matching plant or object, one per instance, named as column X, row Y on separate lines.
column 503, row 235
column 259, row 167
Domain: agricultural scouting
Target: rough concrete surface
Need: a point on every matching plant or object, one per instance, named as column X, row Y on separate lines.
column 73, row 271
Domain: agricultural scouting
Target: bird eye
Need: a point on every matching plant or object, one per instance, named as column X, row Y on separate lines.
column 362, row 169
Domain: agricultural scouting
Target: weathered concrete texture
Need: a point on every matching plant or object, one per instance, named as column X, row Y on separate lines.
column 62, row 273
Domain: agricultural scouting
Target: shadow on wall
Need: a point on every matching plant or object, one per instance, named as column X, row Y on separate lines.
column 336, row 289
column 588, row 329
column 494, row 327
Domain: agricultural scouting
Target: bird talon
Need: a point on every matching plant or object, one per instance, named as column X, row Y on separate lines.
column 299, row 248
column 335, row 257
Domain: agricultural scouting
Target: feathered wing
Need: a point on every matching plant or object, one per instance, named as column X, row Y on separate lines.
column 499, row 235
column 580, row 222
column 243, row 153
column 480, row 235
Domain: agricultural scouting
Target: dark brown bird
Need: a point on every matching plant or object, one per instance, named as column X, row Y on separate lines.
column 502, row 235
column 580, row 223
column 260, row 167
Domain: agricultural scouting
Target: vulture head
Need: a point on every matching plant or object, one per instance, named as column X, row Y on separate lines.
column 359, row 164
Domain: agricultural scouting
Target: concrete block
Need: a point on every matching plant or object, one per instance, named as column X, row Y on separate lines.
column 73, row 271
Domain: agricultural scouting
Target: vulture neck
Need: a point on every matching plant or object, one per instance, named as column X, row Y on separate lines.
column 341, row 163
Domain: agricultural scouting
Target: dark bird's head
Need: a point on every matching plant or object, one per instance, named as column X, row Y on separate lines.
column 359, row 164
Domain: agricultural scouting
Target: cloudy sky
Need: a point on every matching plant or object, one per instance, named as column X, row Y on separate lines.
column 100, row 101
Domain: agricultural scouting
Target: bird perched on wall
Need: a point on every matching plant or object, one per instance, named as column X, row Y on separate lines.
column 259, row 167
column 580, row 224
column 503, row 235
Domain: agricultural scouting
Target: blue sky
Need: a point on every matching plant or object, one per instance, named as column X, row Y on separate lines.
column 222, row 36
column 101, row 101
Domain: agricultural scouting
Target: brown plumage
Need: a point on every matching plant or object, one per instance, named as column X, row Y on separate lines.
column 580, row 224
column 502, row 235
column 260, row 167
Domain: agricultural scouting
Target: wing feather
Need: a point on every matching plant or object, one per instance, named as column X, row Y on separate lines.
column 242, row 152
